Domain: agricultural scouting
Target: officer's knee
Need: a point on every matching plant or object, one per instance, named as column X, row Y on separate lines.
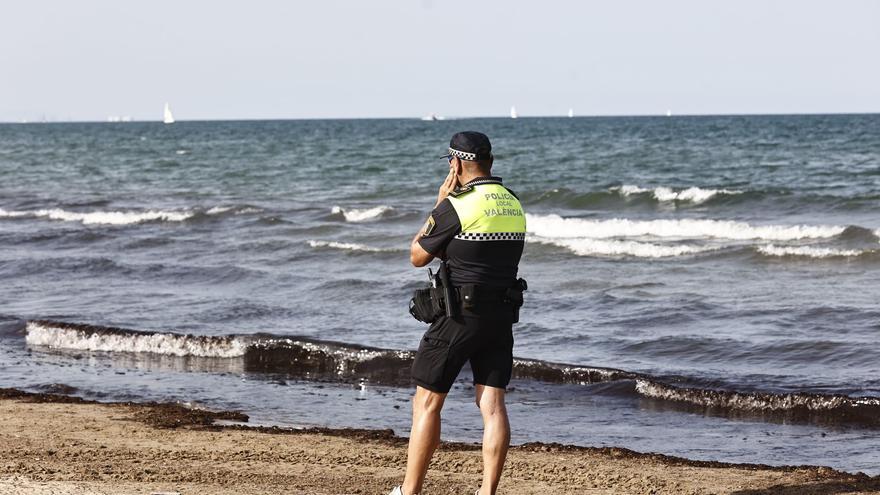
column 426, row 401
column 490, row 401
column 491, row 409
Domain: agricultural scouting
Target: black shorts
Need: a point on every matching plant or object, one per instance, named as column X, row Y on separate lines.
column 449, row 343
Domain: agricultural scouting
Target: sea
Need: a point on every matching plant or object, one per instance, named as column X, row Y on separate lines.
column 699, row 286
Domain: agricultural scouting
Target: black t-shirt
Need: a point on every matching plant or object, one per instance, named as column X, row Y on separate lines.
column 493, row 264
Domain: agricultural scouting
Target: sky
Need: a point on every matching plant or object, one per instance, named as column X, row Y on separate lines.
column 261, row 59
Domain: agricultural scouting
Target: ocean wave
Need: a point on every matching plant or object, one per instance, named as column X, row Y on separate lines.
column 362, row 215
column 328, row 360
column 319, row 360
column 115, row 217
column 11, row 326
column 556, row 227
column 637, row 198
column 58, row 335
column 350, row 246
column 567, row 373
column 810, row 251
column 237, row 210
column 822, row 407
column 101, row 217
column 664, row 194
column 601, row 247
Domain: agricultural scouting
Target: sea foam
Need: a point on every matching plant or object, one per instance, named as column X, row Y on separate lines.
column 363, row 215
column 556, row 227
column 102, row 217
column 758, row 402
column 350, row 246
column 667, row 194
column 808, row 251
column 63, row 337
column 603, row 247
column 114, row 217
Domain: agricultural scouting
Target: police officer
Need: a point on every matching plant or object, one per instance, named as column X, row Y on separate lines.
column 478, row 227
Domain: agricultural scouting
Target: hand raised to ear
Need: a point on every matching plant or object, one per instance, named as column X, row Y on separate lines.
column 448, row 186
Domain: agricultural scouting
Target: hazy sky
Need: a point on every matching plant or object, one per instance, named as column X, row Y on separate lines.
column 85, row 60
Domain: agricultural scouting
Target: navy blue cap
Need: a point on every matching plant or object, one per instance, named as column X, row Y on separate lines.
column 470, row 145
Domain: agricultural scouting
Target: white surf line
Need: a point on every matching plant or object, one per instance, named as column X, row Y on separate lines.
column 556, row 227
column 156, row 343
column 362, row 215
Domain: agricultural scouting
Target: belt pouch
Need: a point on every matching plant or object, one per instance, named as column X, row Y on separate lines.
column 468, row 296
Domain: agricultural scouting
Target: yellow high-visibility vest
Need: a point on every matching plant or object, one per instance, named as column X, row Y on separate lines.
column 488, row 211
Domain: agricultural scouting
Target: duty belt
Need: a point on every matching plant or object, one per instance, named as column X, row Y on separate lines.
column 441, row 297
column 467, row 294
column 471, row 296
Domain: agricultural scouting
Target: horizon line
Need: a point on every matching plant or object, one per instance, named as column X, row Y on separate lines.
column 445, row 118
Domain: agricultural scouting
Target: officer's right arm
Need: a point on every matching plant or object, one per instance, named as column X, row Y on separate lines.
column 431, row 241
column 417, row 254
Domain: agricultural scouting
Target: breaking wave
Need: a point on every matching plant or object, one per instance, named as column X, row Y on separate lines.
column 350, row 246
column 811, row 251
column 602, row 247
column 363, row 215
column 93, row 338
column 819, row 407
column 683, row 237
column 694, row 195
column 554, row 226
column 129, row 217
column 335, row 361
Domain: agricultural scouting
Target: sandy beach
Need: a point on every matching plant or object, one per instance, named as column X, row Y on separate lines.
column 53, row 444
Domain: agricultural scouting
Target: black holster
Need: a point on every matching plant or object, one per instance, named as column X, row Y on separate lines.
column 427, row 304
column 436, row 300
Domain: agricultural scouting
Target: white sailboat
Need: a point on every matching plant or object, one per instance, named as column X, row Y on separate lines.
column 513, row 112
column 570, row 112
column 669, row 113
column 168, row 118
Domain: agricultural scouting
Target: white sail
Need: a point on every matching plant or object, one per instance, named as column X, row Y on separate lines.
column 570, row 112
column 669, row 113
column 513, row 112
column 168, row 119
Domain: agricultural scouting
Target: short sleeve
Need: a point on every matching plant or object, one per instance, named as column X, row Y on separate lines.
column 441, row 227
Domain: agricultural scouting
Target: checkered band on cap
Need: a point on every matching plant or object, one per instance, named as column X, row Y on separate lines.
column 491, row 236
column 464, row 155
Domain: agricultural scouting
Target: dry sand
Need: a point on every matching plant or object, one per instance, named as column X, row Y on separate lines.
column 56, row 445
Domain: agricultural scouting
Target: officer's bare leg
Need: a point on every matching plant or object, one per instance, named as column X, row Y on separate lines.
column 496, row 435
column 423, row 439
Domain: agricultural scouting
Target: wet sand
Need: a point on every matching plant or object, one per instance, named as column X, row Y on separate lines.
column 54, row 444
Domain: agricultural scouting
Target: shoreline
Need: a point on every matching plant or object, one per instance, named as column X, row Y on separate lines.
column 52, row 443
